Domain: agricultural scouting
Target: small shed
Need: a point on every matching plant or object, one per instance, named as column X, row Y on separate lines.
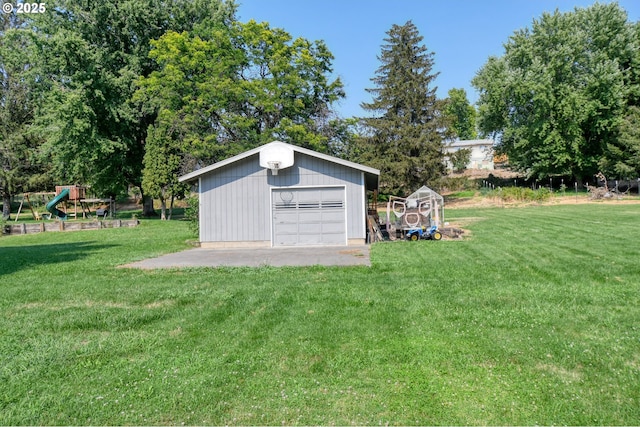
column 280, row 194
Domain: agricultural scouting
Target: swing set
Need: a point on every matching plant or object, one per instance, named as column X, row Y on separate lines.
column 34, row 212
column 76, row 195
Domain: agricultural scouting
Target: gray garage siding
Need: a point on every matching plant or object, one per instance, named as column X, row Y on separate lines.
column 235, row 204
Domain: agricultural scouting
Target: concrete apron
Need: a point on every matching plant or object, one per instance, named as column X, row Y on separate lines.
column 276, row 257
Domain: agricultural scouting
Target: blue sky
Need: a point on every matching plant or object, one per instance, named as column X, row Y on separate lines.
column 462, row 34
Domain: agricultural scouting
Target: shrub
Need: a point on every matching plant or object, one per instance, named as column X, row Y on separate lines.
column 542, row 194
column 456, row 183
column 460, row 159
column 192, row 214
column 521, row 194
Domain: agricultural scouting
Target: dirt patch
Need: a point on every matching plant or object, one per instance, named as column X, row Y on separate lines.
column 484, row 173
column 566, row 375
column 471, row 202
column 494, row 202
column 462, row 224
column 354, row 252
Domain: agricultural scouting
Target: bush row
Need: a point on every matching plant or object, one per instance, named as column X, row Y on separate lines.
column 520, row 194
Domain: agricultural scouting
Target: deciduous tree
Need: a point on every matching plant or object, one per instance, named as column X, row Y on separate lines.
column 623, row 154
column 557, row 96
column 234, row 89
column 460, row 159
column 20, row 169
column 461, row 114
column 95, row 51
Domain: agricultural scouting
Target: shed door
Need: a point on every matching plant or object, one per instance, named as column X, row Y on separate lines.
column 309, row 216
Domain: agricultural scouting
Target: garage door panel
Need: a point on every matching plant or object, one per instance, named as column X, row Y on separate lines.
column 310, row 228
column 333, row 239
column 332, row 228
column 306, row 239
column 286, row 216
column 309, row 216
column 288, row 240
column 286, row 228
column 333, row 215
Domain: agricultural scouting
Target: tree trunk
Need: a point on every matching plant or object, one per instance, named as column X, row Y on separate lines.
column 6, row 205
column 147, row 205
column 163, row 208
column 171, row 206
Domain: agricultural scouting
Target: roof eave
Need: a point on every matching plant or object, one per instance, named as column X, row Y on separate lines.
column 197, row 173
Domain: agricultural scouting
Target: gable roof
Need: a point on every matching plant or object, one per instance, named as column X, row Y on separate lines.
column 371, row 174
column 471, row 143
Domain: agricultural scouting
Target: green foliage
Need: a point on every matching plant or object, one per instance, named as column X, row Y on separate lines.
column 161, row 162
column 521, row 194
column 405, row 133
column 101, row 91
column 192, row 214
column 20, row 169
column 557, row 96
column 460, row 159
column 464, row 194
column 456, row 183
column 239, row 88
column 461, row 114
column 93, row 53
column 623, row 155
column 343, row 138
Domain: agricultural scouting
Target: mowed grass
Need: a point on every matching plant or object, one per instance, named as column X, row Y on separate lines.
column 534, row 318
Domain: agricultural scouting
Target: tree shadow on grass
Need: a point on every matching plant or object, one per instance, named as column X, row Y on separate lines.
column 16, row 258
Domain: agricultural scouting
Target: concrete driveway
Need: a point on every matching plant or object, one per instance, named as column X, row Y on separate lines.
column 276, row 257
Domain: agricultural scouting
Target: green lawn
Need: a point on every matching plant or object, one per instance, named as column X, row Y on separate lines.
column 533, row 319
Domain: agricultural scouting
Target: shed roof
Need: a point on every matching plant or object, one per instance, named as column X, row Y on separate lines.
column 371, row 174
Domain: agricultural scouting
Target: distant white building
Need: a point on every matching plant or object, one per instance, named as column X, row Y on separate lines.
column 481, row 153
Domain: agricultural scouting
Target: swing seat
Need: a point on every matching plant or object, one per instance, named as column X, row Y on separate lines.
column 44, row 216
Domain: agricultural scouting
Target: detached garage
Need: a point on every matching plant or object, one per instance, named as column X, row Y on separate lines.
column 283, row 195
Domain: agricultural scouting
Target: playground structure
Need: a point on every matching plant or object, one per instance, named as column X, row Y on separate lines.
column 72, row 197
column 51, row 206
column 421, row 214
column 422, row 210
column 26, row 197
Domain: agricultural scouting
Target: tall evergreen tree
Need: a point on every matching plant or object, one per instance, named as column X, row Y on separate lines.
column 405, row 131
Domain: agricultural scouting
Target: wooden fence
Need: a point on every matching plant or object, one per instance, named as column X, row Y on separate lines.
column 40, row 227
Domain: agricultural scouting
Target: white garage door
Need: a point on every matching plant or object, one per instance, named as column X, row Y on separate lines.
column 309, row 216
